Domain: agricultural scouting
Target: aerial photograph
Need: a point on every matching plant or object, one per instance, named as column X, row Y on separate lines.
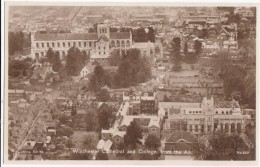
column 131, row 82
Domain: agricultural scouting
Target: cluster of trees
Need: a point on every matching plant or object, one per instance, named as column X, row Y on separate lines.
column 101, row 118
column 239, row 77
column 176, row 54
column 54, row 59
column 65, row 131
column 222, row 147
column 20, row 67
column 132, row 70
column 75, row 61
column 132, row 140
column 15, row 42
column 106, row 116
column 123, row 29
column 144, row 34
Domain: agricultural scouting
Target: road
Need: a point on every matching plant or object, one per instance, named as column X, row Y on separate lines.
column 28, row 133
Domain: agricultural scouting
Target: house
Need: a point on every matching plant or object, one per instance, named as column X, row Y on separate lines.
column 104, row 145
column 50, row 127
column 180, row 143
column 84, row 72
column 28, row 147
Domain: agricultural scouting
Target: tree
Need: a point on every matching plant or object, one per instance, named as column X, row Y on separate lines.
column 103, row 95
column 63, row 119
column 221, row 147
column 133, row 135
column 56, row 62
column 90, row 141
column 197, row 47
column 15, row 42
column 65, row 131
column 152, row 142
column 133, row 69
column 91, row 120
column 176, row 53
column 50, row 55
column 185, row 49
column 115, row 58
column 105, row 116
column 101, row 156
column 69, row 143
column 140, row 35
column 74, row 61
column 98, row 79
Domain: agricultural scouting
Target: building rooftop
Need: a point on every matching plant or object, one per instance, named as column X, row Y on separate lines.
column 180, row 137
column 177, row 105
column 119, row 35
column 65, row 36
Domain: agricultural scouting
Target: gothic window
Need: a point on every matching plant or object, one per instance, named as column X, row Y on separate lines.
column 85, row 44
column 37, row 45
column 53, row 44
column 42, row 44
column 127, row 43
column 63, row 44
column 117, row 44
column 58, row 44
column 48, row 44
column 123, row 43
column 68, row 44
column 112, row 43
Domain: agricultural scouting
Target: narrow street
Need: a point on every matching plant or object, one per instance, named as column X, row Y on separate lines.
column 28, row 132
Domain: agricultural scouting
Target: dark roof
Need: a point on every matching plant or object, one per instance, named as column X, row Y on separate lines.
column 177, row 136
column 120, row 35
column 65, row 36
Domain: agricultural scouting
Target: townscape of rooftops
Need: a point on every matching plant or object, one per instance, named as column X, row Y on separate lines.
column 131, row 83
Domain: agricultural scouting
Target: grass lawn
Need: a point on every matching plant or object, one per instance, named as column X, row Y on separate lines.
column 79, row 137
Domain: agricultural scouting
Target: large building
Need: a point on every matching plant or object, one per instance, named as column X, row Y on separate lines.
column 203, row 118
column 98, row 45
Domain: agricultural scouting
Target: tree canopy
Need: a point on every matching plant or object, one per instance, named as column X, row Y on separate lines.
column 152, row 142
column 75, row 61
column 133, row 69
column 133, row 135
column 176, row 53
column 15, row 42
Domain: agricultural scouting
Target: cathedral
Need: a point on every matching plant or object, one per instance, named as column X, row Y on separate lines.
column 98, row 45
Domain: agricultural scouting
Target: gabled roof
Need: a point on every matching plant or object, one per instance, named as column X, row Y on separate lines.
column 176, row 137
column 65, row 36
column 120, row 35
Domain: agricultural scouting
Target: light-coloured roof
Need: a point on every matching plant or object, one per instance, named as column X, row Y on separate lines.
column 104, row 145
column 15, row 91
column 154, row 122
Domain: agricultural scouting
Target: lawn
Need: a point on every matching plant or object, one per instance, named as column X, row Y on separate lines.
column 79, row 138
